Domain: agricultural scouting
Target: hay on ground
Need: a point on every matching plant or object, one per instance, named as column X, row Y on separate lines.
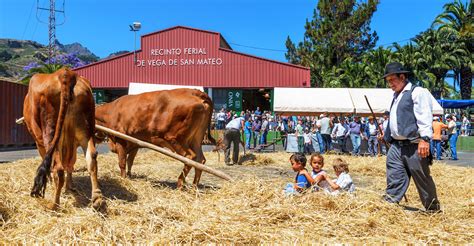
column 148, row 208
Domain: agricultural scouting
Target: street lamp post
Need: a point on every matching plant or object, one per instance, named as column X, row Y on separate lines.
column 135, row 27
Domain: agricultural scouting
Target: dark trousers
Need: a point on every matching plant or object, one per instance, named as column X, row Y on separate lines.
column 232, row 136
column 341, row 141
column 327, row 142
column 403, row 162
column 256, row 139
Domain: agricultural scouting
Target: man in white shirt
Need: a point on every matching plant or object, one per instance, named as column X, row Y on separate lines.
column 220, row 117
column 409, row 131
column 232, row 135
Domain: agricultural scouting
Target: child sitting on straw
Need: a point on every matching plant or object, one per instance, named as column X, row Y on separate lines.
column 302, row 180
column 317, row 163
column 343, row 181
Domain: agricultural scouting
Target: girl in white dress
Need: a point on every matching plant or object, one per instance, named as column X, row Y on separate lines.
column 318, row 174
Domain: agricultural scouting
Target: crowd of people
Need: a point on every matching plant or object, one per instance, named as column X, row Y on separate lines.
column 333, row 132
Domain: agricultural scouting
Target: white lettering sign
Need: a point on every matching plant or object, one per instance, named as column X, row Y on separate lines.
column 188, row 59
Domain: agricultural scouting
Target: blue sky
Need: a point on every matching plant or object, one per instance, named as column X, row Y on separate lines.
column 102, row 26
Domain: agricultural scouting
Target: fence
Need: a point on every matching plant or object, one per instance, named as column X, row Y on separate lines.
column 12, row 96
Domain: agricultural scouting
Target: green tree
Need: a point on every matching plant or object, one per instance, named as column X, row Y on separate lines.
column 375, row 62
column 45, row 68
column 437, row 53
column 457, row 20
column 340, row 29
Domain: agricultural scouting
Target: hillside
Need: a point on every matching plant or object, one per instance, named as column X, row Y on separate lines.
column 15, row 54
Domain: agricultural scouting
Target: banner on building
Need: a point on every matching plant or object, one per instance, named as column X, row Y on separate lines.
column 234, row 100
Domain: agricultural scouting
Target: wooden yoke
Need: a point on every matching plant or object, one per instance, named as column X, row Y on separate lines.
column 165, row 152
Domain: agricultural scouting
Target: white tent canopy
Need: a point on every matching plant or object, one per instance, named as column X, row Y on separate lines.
column 310, row 101
column 138, row 88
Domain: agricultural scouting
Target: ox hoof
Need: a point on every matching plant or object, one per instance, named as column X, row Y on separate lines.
column 52, row 206
column 123, row 174
column 98, row 202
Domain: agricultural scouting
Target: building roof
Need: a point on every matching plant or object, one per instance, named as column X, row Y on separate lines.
column 217, row 65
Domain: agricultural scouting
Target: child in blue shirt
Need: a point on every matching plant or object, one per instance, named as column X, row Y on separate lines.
column 303, row 179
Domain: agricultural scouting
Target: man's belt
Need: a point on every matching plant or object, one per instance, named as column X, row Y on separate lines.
column 231, row 129
column 402, row 142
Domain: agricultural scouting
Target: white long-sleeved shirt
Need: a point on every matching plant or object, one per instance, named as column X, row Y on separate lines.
column 422, row 107
column 338, row 130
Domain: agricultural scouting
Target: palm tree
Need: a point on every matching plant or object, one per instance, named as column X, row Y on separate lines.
column 437, row 54
column 375, row 62
column 45, row 68
column 407, row 55
column 457, row 20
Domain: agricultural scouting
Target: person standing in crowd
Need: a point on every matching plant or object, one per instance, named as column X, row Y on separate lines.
column 409, row 131
column 436, row 141
column 465, row 126
column 326, row 125
column 299, row 136
column 308, row 141
column 317, row 129
column 232, row 135
column 256, row 126
column 339, row 132
column 220, row 117
column 264, row 130
column 258, row 113
column 453, row 136
column 248, row 132
column 355, row 133
column 371, row 132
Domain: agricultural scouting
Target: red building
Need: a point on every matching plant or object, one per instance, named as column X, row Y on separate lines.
column 188, row 56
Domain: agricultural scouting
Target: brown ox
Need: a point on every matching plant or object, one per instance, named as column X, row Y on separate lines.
column 174, row 119
column 59, row 114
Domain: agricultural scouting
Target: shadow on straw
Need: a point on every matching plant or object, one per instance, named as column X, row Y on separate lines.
column 247, row 158
column 174, row 186
column 111, row 189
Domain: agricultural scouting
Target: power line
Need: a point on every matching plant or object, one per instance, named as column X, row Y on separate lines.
column 278, row 50
column 28, row 22
column 399, row 41
column 258, row 48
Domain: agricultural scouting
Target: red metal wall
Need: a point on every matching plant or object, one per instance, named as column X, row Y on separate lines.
column 237, row 70
column 12, row 96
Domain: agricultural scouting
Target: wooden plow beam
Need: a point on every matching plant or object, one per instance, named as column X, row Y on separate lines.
column 164, row 151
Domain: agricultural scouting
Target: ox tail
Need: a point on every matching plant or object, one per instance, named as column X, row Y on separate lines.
column 208, row 101
column 67, row 79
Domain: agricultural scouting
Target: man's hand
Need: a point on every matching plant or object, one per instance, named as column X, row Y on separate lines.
column 423, row 149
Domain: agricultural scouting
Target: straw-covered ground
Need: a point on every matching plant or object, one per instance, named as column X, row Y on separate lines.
column 148, row 208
